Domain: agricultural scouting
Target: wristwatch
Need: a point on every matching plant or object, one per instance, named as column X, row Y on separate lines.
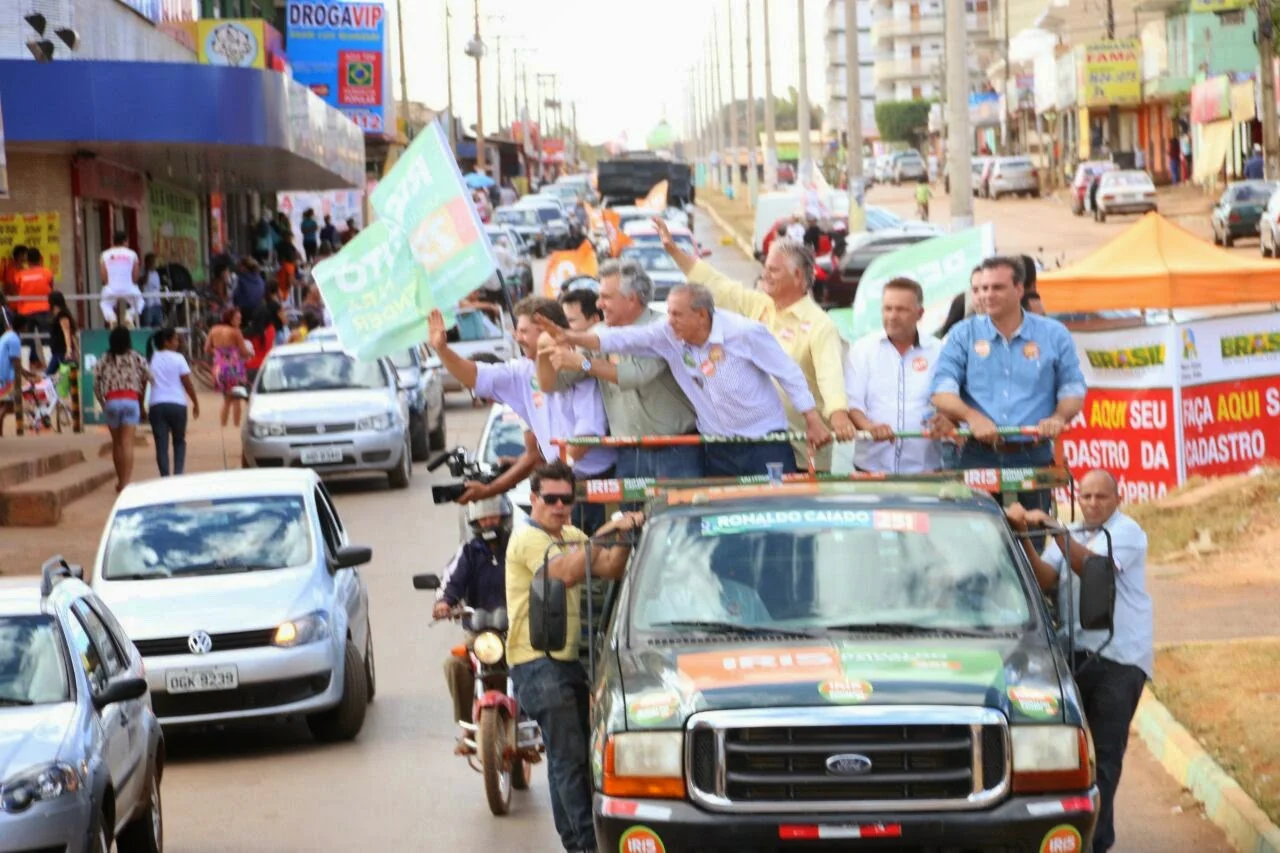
column 586, row 364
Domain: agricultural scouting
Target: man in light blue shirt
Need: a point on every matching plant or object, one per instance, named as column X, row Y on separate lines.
column 1111, row 684
column 1009, row 368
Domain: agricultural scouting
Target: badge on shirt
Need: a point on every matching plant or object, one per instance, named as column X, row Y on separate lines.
column 538, row 399
column 614, row 358
column 1031, row 351
column 982, row 348
column 716, row 353
column 787, row 333
column 533, row 383
column 920, row 364
column 708, row 368
column 806, row 326
column 688, row 359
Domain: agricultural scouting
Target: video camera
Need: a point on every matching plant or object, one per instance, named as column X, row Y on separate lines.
column 465, row 468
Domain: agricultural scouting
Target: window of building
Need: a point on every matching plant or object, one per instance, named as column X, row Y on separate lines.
column 916, row 93
column 1231, row 18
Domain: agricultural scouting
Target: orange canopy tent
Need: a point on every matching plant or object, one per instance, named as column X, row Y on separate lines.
column 1157, row 264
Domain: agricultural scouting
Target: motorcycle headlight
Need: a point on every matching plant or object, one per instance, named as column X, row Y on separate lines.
column 266, row 429
column 376, row 423
column 311, row 628
column 38, row 784
column 488, row 647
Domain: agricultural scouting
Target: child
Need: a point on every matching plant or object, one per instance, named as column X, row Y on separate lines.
column 922, row 199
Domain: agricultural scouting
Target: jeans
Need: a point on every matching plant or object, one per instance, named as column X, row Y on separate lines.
column 1110, row 692
column 169, row 419
column 974, row 454
column 554, row 693
column 38, row 323
column 153, row 316
column 672, row 463
column 748, row 459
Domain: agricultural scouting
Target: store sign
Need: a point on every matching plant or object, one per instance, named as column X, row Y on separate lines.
column 1111, row 73
column 338, row 49
column 35, row 230
column 175, row 228
column 1211, row 100
column 108, row 182
column 233, row 43
column 1218, row 5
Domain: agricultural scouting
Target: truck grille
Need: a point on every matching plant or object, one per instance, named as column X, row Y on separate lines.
column 906, row 758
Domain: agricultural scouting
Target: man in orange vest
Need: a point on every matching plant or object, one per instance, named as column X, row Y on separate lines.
column 33, row 286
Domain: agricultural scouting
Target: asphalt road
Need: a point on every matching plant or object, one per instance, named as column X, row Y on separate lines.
column 399, row 787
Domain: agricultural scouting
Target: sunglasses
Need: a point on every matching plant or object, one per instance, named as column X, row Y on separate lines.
column 566, row 500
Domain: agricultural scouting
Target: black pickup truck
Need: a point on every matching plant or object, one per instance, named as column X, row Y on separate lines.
column 624, row 179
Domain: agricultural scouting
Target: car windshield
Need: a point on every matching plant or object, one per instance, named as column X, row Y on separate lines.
column 475, row 326
column 404, row 359
column 652, row 258
column 33, row 668
column 318, row 371
column 506, row 438
column 1253, row 193
column 500, row 240
column 191, row 538
column 516, row 217
column 879, row 219
column 822, row 566
column 1126, row 179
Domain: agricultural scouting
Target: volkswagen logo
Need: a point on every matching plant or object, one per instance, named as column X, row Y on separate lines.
column 200, row 643
column 849, row 764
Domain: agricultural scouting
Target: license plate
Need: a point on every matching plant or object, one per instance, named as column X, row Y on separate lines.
column 321, row 455
column 202, row 679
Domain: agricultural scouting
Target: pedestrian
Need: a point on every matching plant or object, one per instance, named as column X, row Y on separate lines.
column 120, row 381
column 14, row 265
column 784, row 303
column 552, row 686
column 964, row 305
column 580, row 309
column 34, row 284
column 287, row 271
column 170, row 389
column 64, row 339
column 1123, row 660
column 329, row 233
column 1009, row 368
column 351, row 232
column 922, row 199
column 1175, row 157
column 227, row 345
column 795, row 230
column 1254, row 168
column 890, row 378
column 264, row 330
column 726, row 365
column 149, row 284
column 118, row 269
column 310, row 322
column 11, row 369
column 250, row 289
column 263, row 238
column 310, row 231
column 508, row 194
column 640, row 395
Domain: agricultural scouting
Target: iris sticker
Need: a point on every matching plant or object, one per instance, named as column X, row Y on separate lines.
column 982, row 348
column 846, row 692
column 641, row 839
column 716, row 353
column 1062, row 839
column 1031, row 351
column 650, row 709
column 1034, row 702
column 920, row 364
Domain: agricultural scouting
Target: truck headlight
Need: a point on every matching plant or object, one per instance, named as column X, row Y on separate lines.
column 1050, row 758
column 38, row 784
column 311, row 628
column 644, row 764
column 266, row 429
column 488, row 647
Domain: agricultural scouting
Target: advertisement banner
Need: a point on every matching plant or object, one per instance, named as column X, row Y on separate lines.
column 338, row 205
column 238, row 43
column 337, row 48
column 1111, row 73
column 1211, row 99
column 175, row 228
column 1128, row 426
column 34, row 230
column 941, row 266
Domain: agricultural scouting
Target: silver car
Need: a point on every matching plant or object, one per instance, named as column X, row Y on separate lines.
column 244, row 596
column 659, row 265
column 315, row 406
column 81, row 751
column 481, row 336
column 909, row 166
column 421, row 378
column 1013, row 176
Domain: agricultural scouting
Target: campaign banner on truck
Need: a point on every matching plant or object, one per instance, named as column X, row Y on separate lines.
column 1231, row 393
column 1128, row 425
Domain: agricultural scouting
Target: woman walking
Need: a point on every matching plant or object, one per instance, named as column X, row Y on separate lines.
column 170, row 388
column 119, row 384
column 229, row 349
column 265, row 330
column 63, row 338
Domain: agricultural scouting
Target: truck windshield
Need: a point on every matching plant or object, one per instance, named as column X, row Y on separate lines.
column 823, row 567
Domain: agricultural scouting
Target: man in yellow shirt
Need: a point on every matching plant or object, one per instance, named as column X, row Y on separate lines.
column 800, row 325
column 552, row 687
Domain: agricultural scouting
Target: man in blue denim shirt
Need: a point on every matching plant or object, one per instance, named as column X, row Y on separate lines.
column 1009, row 368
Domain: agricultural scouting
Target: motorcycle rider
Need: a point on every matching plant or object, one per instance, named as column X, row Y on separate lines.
column 477, row 576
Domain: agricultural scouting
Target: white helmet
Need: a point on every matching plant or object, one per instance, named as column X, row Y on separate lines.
column 488, row 508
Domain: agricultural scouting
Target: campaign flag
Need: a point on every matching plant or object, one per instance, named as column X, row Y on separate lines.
column 564, row 265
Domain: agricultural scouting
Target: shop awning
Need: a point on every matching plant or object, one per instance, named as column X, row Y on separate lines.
column 1157, row 264
column 1215, row 142
column 198, row 125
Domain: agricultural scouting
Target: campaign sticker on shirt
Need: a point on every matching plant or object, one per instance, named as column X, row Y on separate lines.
column 787, row 333
column 806, row 326
column 688, row 359
column 982, row 348
column 614, row 358
column 920, row 364
column 708, row 368
column 716, row 353
column 1031, row 351
column 538, row 399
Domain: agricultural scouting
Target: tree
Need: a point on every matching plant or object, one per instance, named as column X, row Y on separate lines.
column 902, row 121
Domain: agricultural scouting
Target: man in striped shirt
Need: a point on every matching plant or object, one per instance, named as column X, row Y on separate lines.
column 726, row 365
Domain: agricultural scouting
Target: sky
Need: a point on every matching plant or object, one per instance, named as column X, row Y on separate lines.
column 625, row 63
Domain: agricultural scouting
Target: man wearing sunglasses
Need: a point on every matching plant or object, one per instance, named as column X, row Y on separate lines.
column 552, row 687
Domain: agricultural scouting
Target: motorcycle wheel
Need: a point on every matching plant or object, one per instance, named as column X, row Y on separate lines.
column 494, row 734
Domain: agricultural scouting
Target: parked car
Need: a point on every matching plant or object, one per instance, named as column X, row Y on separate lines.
column 908, row 166
column 563, row 230
column 1011, row 176
column 1239, row 210
column 81, row 751
column 976, row 167
column 514, row 264
column 1086, row 172
column 526, row 222
column 644, row 232
column 243, row 595
column 314, row 405
column 481, row 336
column 1124, row 191
column 421, row 378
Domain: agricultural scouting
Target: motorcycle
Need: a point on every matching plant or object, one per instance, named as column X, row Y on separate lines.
column 500, row 744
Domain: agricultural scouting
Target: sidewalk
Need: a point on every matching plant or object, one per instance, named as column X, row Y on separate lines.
column 23, row 550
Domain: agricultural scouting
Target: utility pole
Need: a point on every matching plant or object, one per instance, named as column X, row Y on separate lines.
column 1008, row 122
column 959, row 134
column 770, row 129
column 497, row 50
column 1267, row 79
column 853, row 118
column 804, row 174
column 753, row 138
column 719, row 100
column 1113, row 112
column 404, row 74
column 733, row 107
column 478, row 46
column 448, row 66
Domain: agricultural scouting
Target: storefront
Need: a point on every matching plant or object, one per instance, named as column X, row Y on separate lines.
column 109, row 199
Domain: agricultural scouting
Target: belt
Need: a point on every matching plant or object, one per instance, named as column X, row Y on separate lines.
column 123, row 395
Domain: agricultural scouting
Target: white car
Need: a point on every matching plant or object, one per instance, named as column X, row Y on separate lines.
column 1124, row 191
column 502, row 437
column 480, row 337
column 242, row 593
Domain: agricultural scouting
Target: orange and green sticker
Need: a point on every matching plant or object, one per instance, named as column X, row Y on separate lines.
column 845, row 692
column 1062, row 839
column 650, row 709
column 641, row 839
column 1034, row 702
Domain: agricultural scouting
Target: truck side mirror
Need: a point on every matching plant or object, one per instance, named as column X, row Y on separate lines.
column 1097, row 593
column 548, row 612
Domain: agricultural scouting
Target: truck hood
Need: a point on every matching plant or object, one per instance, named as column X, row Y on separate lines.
column 665, row 684
column 32, row 736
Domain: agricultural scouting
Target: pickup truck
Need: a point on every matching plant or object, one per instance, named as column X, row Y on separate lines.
column 624, row 179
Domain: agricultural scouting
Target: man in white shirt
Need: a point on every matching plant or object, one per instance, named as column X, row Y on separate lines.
column 118, row 269
column 1112, row 683
column 889, row 378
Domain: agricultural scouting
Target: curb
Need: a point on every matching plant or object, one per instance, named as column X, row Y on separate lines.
column 1225, row 803
column 744, row 246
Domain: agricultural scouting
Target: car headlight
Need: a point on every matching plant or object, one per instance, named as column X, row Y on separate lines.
column 311, row 628
column 488, row 647
column 376, row 423
column 266, row 429
column 38, row 784
column 644, row 764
